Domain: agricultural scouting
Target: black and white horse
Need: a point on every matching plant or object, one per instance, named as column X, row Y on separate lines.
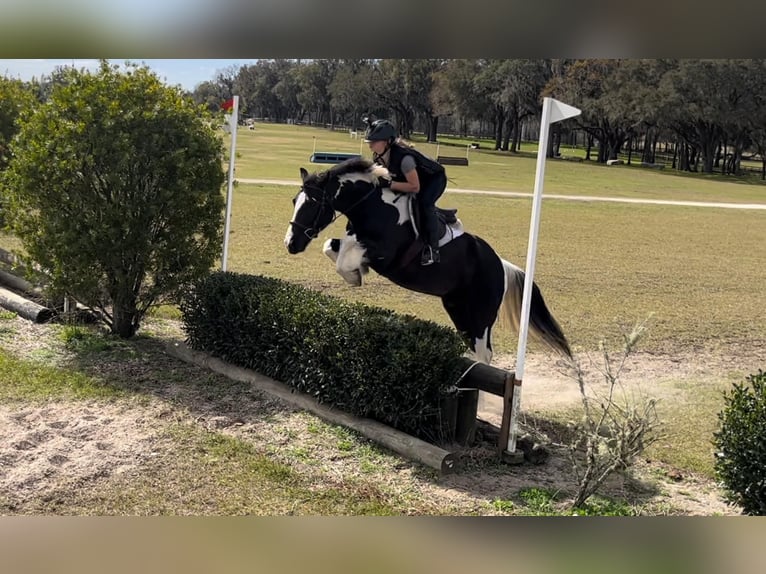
column 474, row 283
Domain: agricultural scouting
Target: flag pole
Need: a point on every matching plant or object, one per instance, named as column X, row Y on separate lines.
column 553, row 111
column 227, row 225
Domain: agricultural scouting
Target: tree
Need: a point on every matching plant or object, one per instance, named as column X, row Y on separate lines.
column 351, row 90
column 524, row 81
column 585, row 84
column 14, row 98
column 115, row 191
column 696, row 99
column 210, row 95
column 489, row 84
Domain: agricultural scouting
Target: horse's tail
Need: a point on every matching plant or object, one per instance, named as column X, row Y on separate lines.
column 542, row 324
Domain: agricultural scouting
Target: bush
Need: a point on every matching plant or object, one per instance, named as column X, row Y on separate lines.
column 741, row 444
column 364, row 360
column 114, row 189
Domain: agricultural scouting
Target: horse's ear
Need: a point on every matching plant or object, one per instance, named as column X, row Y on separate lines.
column 304, row 174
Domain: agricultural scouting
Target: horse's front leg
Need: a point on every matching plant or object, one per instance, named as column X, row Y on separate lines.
column 349, row 257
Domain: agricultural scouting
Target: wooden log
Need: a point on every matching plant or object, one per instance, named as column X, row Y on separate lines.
column 484, row 377
column 408, row 446
column 465, row 423
column 24, row 307
column 18, row 283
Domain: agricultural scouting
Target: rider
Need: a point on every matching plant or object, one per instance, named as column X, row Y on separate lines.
column 412, row 172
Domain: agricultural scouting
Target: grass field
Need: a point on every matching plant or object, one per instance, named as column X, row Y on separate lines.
column 278, row 151
column 697, row 270
column 601, row 266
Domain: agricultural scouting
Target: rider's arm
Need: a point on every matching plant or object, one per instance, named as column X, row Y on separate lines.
column 412, row 185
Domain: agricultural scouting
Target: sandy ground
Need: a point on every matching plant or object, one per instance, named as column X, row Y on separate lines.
column 56, row 448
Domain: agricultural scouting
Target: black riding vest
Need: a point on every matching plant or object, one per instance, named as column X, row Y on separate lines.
column 427, row 168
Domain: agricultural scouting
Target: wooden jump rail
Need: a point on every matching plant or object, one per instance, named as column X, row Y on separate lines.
column 499, row 382
column 452, row 160
column 331, row 157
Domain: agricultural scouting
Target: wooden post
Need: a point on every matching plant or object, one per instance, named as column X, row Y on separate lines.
column 448, row 413
column 515, row 457
column 467, row 408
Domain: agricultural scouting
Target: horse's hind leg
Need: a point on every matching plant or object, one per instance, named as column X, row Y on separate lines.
column 473, row 316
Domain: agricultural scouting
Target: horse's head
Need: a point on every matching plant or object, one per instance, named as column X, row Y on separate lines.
column 313, row 212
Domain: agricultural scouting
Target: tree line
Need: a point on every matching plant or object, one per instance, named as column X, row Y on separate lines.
column 708, row 113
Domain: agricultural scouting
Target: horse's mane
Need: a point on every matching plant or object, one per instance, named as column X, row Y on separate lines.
column 353, row 165
column 357, row 165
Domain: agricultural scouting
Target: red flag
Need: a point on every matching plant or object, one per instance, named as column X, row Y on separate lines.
column 228, row 104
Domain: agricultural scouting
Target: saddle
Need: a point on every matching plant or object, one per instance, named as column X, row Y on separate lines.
column 445, row 217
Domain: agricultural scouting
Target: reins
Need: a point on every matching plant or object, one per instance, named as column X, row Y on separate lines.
column 311, row 230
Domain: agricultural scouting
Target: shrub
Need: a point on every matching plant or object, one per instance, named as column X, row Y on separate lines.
column 114, row 189
column 364, row 360
column 741, row 445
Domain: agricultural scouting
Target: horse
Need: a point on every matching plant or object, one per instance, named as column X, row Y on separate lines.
column 474, row 283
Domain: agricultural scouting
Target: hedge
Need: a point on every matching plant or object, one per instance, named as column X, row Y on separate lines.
column 364, row 360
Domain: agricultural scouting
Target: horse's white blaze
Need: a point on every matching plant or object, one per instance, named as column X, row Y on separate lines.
column 483, row 353
column 299, row 201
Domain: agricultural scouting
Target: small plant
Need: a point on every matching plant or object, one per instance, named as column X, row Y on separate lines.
column 503, row 505
column 539, row 501
column 614, row 428
column 82, row 339
column 598, row 506
column 741, row 445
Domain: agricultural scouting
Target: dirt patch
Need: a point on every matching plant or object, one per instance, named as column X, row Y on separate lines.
column 549, row 386
column 63, row 446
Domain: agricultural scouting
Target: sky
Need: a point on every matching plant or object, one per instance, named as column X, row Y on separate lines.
column 188, row 73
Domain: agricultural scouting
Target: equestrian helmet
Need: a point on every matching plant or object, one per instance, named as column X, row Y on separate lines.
column 380, row 130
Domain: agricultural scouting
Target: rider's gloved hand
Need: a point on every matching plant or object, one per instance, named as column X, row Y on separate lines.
column 384, row 182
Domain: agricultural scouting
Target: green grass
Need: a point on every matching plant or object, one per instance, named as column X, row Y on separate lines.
column 22, row 380
column 277, row 151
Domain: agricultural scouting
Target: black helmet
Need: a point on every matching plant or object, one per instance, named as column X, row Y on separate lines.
column 380, row 130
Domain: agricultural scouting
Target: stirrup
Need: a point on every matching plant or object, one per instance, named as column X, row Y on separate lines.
column 429, row 256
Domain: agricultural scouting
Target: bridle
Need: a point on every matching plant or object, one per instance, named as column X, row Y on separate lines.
column 311, row 231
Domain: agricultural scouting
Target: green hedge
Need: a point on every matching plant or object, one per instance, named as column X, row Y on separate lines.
column 741, row 445
column 364, row 360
